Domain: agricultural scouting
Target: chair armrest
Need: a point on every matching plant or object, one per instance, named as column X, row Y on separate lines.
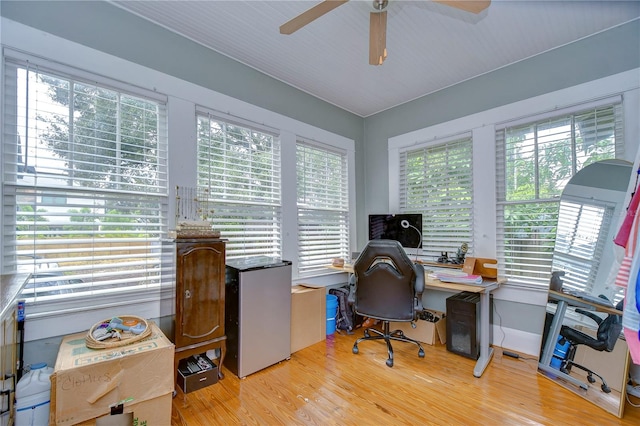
column 590, row 314
column 418, row 286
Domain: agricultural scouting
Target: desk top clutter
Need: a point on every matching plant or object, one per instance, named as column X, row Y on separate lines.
column 117, row 331
column 474, row 270
column 460, row 278
column 193, row 211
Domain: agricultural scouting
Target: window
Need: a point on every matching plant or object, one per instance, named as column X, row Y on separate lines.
column 579, row 240
column 84, row 183
column 535, row 160
column 239, row 165
column 437, row 181
column 323, row 206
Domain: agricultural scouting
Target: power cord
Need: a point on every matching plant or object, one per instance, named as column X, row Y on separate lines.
column 631, row 403
column 504, row 335
column 632, row 390
column 507, row 353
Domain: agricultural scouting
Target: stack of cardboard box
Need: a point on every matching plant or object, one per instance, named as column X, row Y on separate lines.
column 89, row 384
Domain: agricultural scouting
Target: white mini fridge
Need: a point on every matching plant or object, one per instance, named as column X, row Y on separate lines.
column 257, row 313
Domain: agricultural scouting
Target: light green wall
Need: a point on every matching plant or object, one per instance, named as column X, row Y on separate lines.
column 601, row 55
column 104, row 27
column 92, row 23
column 107, row 28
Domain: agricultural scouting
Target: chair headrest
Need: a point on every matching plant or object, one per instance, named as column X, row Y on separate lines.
column 384, row 251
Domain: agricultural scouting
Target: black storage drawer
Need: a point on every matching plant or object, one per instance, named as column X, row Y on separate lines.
column 196, row 372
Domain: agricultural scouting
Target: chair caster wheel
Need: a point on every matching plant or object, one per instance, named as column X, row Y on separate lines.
column 389, row 363
column 591, row 379
column 421, row 353
column 355, row 350
column 606, row 389
column 366, row 333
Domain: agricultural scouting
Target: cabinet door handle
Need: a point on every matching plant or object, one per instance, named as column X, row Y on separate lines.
column 187, row 294
column 201, row 335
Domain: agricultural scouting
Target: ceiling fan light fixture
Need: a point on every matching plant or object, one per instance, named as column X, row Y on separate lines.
column 380, row 5
column 377, row 21
column 377, row 37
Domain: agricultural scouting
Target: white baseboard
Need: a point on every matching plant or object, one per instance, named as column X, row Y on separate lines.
column 516, row 340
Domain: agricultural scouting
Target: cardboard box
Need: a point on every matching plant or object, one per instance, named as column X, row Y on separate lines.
column 156, row 411
column 426, row 331
column 87, row 382
column 308, row 316
column 196, row 372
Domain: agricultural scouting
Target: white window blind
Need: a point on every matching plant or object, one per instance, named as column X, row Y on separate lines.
column 84, row 185
column 582, row 230
column 437, row 181
column 240, row 167
column 535, row 160
column 323, row 207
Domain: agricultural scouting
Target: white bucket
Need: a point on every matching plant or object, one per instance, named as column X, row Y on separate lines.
column 33, row 396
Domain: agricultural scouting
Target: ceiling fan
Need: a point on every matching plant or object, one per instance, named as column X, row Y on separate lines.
column 377, row 21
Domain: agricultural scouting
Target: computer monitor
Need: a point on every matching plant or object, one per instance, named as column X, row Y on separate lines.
column 404, row 228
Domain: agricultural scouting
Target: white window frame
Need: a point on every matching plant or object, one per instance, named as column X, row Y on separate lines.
column 538, row 264
column 318, row 245
column 434, row 241
column 79, row 288
column 183, row 97
column 262, row 208
column 483, row 125
column 578, row 245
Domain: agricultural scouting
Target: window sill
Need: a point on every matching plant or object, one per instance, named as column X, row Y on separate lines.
column 60, row 318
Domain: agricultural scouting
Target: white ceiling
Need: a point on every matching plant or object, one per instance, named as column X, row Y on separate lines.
column 430, row 46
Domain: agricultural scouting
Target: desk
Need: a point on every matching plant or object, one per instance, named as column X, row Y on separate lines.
column 564, row 300
column 486, row 351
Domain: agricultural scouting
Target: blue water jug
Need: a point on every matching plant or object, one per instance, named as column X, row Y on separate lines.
column 559, row 352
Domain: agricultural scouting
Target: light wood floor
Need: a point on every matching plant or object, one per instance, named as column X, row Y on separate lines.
column 326, row 384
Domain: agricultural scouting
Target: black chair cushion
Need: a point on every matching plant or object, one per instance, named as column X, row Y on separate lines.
column 386, row 281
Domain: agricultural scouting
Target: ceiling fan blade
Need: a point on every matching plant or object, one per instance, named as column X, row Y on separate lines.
column 473, row 6
column 377, row 37
column 310, row 15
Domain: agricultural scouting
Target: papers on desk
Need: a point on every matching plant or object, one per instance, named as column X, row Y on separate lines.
column 459, row 278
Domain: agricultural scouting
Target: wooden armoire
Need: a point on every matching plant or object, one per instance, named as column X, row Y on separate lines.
column 200, row 288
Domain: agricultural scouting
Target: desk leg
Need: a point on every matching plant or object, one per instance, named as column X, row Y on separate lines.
column 486, row 352
column 549, row 345
column 554, row 332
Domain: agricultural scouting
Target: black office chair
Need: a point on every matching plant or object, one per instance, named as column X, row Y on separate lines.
column 607, row 335
column 389, row 287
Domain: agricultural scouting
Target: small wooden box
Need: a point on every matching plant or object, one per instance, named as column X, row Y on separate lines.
column 487, row 268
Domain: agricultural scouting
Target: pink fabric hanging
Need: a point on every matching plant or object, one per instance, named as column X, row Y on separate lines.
column 622, row 237
column 630, row 318
column 633, row 343
column 622, row 278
